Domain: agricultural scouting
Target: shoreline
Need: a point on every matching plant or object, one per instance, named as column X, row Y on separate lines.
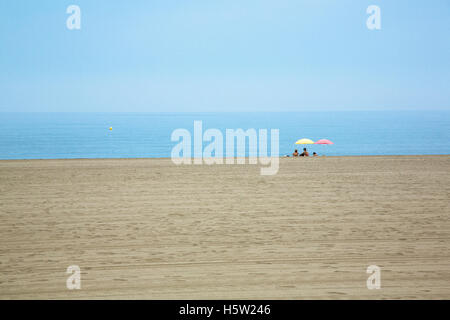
column 281, row 157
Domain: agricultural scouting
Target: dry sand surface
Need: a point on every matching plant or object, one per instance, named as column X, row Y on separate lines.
column 145, row 228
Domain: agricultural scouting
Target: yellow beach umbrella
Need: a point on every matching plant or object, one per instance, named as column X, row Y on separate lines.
column 304, row 141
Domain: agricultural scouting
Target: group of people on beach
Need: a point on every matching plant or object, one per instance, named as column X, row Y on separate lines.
column 305, row 153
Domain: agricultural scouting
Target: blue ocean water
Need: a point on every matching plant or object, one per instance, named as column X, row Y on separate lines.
column 138, row 135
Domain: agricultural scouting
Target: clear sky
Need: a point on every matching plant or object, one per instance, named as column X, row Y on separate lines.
column 224, row 55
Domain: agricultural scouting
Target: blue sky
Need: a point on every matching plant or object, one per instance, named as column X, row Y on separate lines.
column 224, row 55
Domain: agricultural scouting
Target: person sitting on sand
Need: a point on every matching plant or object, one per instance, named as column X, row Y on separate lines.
column 305, row 153
column 315, row 154
column 295, row 154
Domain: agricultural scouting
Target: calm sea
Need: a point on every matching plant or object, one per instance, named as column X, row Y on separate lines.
column 136, row 135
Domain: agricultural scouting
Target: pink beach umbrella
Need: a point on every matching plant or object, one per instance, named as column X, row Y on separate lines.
column 323, row 141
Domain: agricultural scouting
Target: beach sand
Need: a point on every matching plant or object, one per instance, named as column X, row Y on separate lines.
column 146, row 228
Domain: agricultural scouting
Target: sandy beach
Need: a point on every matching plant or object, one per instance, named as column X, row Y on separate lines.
column 148, row 229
